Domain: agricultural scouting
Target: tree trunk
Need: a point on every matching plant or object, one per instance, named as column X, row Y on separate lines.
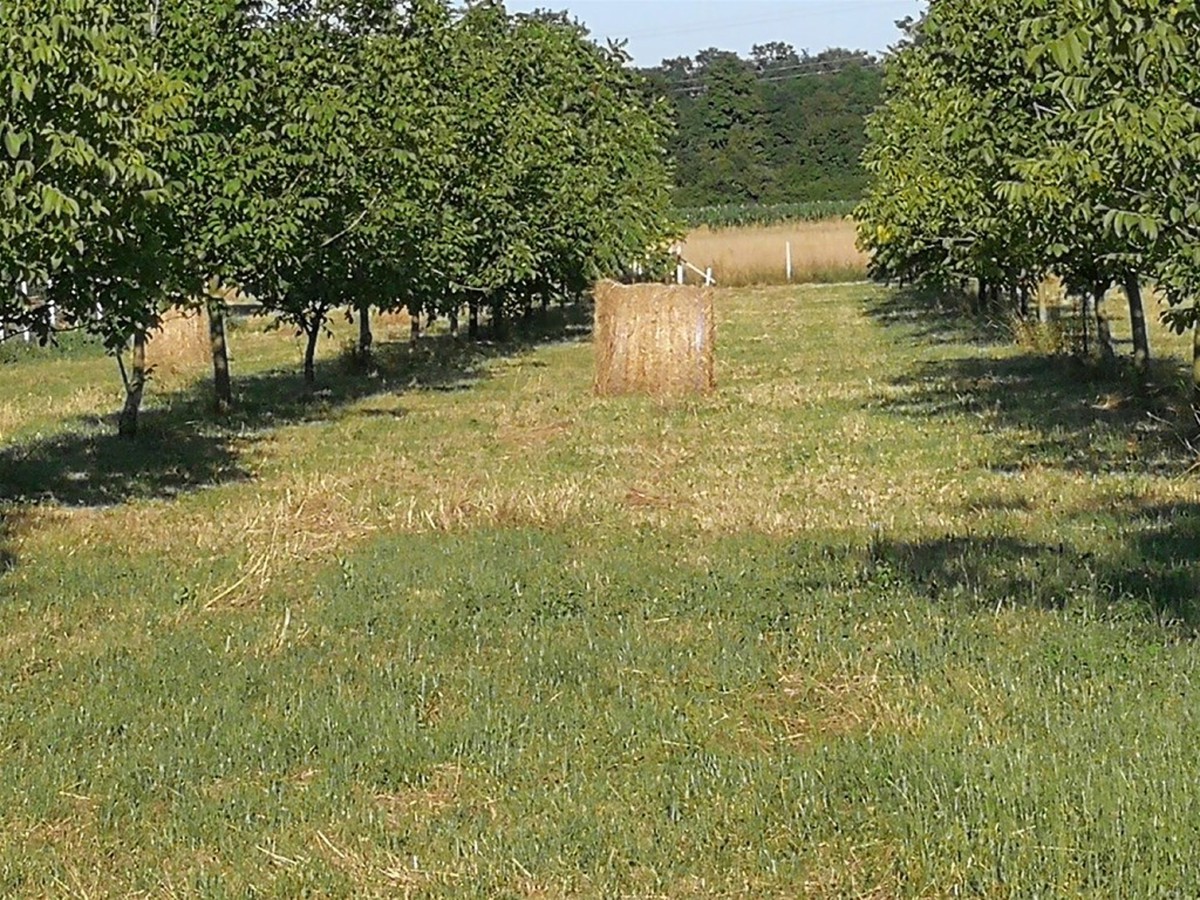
column 499, row 324
column 310, row 355
column 1196, row 360
column 473, row 319
column 1095, row 327
column 135, row 386
column 1104, row 342
column 414, row 317
column 222, row 385
column 1087, row 310
column 453, row 317
column 366, row 339
column 1137, row 318
column 981, row 300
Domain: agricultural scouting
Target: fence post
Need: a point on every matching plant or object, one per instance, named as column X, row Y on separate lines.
column 789, row 262
column 708, row 279
column 679, row 274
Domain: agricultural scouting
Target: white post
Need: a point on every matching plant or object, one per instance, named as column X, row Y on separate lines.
column 53, row 315
column 708, row 279
column 679, row 273
column 789, row 262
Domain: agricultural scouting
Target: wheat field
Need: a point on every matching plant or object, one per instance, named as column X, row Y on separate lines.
column 822, row 252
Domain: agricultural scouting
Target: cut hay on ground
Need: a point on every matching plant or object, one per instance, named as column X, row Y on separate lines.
column 655, row 339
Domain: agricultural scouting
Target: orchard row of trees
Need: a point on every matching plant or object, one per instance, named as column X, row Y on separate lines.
column 316, row 154
column 1023, row 137
column 779, row 127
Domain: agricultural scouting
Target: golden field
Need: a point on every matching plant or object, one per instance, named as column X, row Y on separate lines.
column 822, row 252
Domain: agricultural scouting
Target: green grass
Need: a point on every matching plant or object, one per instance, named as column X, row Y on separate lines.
column 900, row 611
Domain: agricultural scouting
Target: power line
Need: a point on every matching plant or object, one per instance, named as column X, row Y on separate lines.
column 806, row 10
column 803, row 67
column 773, row 77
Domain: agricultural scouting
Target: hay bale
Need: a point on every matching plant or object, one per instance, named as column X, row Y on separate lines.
column 181, row 345
column 653, row 338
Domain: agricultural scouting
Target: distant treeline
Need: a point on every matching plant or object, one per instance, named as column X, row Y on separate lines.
column 779, row 127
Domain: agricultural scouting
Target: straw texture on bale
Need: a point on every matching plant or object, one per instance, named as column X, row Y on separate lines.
column 181, row 345
column 653, row 338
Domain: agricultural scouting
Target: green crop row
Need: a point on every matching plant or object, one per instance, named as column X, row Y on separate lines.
column 738, row 215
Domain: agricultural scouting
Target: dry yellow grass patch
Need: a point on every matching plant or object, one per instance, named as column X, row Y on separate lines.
column 851, row 700
column 312, row 520
column 440, row 792
column 852, row 871
column 821, row 251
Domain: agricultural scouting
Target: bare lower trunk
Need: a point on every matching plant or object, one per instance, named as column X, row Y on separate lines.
column 473, row 319
column 135, row 386
column 453, row 318
column 365, row 338
column 1196, row 360
column 222, row 384
column 310, row 355
column 499, row 322
column 1104, row 341
column 1087, row 310
column 1137, row 319
column 415, row 325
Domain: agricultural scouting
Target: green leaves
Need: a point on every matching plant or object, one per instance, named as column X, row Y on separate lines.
column 1066, row 143
column 13, row 142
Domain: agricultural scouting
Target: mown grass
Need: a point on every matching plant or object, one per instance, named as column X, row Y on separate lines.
column 900, row 611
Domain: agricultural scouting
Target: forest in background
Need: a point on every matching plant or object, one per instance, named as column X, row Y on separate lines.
column 782, row 126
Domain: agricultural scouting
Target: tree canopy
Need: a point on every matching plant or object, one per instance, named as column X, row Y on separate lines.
column 777, row 127
column 1068, row 144
column 316, row 154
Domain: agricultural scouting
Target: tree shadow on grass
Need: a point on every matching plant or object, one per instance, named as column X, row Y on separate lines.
column 1155, row 576
column 1052, row 410
column 90, row 466
column 936, row 316
column 1055, row 412
column 182, row 446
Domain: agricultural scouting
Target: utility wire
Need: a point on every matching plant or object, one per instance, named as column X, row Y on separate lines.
column 806, row 10
column 803, row 67
column 700, row 85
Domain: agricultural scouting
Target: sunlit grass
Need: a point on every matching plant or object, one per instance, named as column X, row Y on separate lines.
column 898, row 612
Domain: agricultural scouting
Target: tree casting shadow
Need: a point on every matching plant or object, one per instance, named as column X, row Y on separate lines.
column 182, row 446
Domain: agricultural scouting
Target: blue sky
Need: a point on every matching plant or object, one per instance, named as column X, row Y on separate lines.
column 661, row 29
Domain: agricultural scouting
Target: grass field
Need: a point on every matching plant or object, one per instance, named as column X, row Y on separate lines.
column 899, row 611
column 822, row 252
